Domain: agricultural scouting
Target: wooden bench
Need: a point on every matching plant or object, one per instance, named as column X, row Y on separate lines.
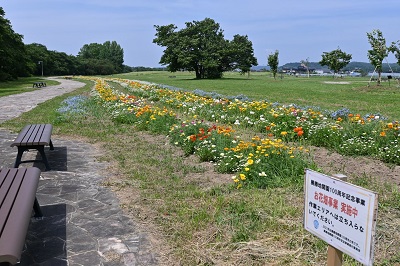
column 39, row 84
column 34, row 136
column 17, row 197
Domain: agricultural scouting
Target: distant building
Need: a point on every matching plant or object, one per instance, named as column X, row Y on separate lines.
column 297, row 70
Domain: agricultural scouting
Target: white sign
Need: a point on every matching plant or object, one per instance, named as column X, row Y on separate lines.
column 342, row 214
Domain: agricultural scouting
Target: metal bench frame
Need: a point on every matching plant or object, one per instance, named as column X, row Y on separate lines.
column 34, row 136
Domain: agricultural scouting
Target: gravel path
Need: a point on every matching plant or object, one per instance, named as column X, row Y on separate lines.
column 83, row 223
column 14, row 105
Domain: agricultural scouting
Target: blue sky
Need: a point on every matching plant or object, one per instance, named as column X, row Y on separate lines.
column 300, row 30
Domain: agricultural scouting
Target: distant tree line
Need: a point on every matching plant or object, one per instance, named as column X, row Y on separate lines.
column 362, row 67
column 337, row 60
column 22, row 60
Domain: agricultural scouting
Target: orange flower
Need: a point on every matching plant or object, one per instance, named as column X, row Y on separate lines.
column 297, row 129
column 382, row 134
column 268, row 128
column 300, row 133
column 192, row 138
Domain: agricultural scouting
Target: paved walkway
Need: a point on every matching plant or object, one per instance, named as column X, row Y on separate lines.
column 83, row 223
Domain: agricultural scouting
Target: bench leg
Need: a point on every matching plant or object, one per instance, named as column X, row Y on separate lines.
column 51, row 145
column 36, row 208
column 44, row 158
column 19, row 156
column 40, row 149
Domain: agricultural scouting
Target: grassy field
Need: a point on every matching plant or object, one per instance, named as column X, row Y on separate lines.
column 21, row 85
column 197, row 217
column 324, row 92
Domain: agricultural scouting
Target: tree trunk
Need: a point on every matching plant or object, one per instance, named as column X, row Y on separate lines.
column 379, row 78
column 198, row 72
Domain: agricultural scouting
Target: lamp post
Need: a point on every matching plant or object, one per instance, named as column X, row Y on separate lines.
column 41, row 63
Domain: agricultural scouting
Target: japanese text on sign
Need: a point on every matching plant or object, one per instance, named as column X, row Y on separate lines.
column 341, row 214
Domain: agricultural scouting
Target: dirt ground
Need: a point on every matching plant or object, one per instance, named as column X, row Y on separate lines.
column 334, row 163
column 329, row 162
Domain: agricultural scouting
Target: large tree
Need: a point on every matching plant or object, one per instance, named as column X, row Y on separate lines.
column 202, row 48
column 110, row 53
column 273, row 62
column 378, row 52
column 12, row 51
column 242, row 53
column 335, row 60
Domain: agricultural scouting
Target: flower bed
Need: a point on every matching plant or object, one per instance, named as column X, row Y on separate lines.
column 265, row 160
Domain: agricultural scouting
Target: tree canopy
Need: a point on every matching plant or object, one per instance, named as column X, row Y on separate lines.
column 202, row 48
column 378, row 52
column 12, row 51
column 395, row 48
column 18, row 59
column 335, row 60
column 109, row 54
column 273, row 62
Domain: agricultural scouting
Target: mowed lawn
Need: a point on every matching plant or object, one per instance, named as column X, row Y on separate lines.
column 355, row 93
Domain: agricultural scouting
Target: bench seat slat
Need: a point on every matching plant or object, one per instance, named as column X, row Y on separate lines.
column 33, row 136
column 36, row 134
column 16, row 211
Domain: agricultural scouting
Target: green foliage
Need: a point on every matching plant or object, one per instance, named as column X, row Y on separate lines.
column 106, row 58
column 335, row 60
column 241, row 54
column 22, row 60
column 12, row 52
column 201, row 47
column 54, row 63
column 395, row 48
column 379, row 50
column 273, row 62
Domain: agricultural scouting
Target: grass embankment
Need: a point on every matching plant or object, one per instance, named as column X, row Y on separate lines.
column 201, row 221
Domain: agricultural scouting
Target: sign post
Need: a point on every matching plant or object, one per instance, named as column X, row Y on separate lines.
column 335, row 256
column 341, row 214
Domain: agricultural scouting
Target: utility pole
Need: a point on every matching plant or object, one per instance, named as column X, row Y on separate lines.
column 41, row 63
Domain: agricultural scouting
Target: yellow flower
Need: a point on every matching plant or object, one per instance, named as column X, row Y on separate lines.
column 242, row 176
column 250, row 162
column 247, row 169
column 283, row 133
